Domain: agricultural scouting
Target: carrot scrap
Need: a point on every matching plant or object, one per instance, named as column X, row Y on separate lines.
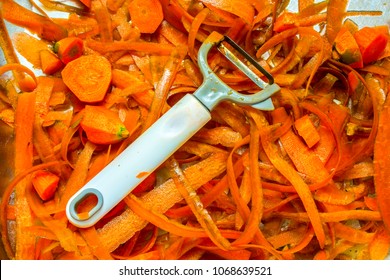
column 380, row 245
column 163, row 85
column 372, row 42
column 79, row 174
column 102, row 125
column 381, row 163
column 10, row 56
column 200, row 213
column 146, row 185
column 68, row 49
column 45, row 183
column 42, row 26
column 307, row 130
column 301, row 187
column 303, row 158
column 334, row 17
column 245, row 12
column 88, row 77
column 50, row 63
column 104, row 22
column 348, row 49
column 147, row 15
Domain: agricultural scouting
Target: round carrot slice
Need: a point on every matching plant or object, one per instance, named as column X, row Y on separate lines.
column 88, row 77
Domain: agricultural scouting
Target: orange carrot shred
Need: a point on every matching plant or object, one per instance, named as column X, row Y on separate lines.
column 300, row 185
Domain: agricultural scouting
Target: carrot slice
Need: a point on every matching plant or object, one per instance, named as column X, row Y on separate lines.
column 88, row 77
column 69, row 49
column 307, row 130
column 102, row 125
column 347, row 48
column 45, row 183
column 50, row 63
column 372, row 43
column 147, row 15
column 30, row 83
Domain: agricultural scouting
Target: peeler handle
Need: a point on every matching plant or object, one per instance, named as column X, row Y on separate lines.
column 136, row 162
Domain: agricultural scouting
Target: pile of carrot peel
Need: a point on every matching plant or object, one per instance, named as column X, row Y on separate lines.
column 308, row 180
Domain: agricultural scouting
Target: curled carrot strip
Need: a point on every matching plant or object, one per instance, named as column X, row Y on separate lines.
column 299, row 184
column 22, row 68
column 200, row 213
column 200, row 17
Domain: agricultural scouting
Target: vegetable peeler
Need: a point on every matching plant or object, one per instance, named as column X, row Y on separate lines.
column 169, row 132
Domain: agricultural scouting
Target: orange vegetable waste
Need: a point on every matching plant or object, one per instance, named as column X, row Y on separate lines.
column 307, row 180
column 372, row 42
column 102, row 125
column 88, row 77
column 45, row 183
column 69, row 49
column 87, row 3
column 381, row 165
column 50, row 63
column 38, row 24
column 147, row 15
column 348, row 49
column 307, row 130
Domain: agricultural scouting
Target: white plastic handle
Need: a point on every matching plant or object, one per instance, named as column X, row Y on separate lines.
column 137, row 161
